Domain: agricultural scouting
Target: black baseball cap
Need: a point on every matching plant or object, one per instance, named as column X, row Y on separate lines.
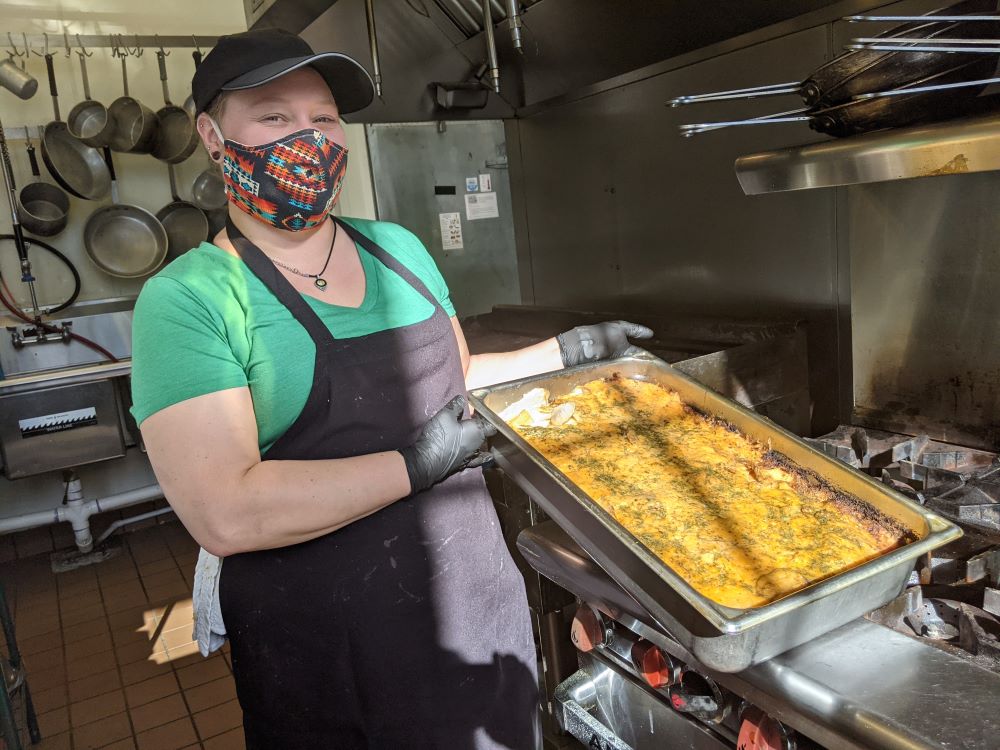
column 253, row 58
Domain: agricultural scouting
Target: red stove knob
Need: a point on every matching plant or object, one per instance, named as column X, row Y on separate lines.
column 588, row 631
column 758, row 731
column 656, row 668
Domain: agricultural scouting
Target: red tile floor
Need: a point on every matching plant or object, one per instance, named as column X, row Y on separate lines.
column 109, row 655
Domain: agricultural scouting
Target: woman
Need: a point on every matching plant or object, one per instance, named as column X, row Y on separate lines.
column 300, row 388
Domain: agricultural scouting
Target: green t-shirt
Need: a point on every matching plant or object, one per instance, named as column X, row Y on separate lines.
column 205, row 323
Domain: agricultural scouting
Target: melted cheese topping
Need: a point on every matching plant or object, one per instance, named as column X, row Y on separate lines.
column 712, row 504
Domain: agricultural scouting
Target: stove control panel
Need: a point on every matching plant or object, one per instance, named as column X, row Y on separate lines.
column 674, row 687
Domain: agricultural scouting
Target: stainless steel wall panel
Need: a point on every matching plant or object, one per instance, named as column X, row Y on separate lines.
column 414, row 50
column 409, row 161
column 623, row 213
column 925, row 275
column 569, row 44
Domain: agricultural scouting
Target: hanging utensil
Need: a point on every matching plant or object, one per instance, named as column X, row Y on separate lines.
column 124, row 240
column 189, row 105
column 19, row 242
column 937, row 46
column 936, row 97
column 17, row 80
column 42, row 208
column 89, row 120
column 186, row 224
column 135, row 123
column 176, row 137
column 862, row 70
column 209, row 189
column 373, row 46
column 77, row 167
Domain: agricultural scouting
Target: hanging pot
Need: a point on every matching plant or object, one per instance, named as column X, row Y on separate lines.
column 941, row 96
column 176, row 136
column 862, row 71
column 89, row 120
column 135, row 123
column 124, row 240
column 186, row 224
column 209, row 189
column 189, row 106
column 77, row 167
column 42, row 208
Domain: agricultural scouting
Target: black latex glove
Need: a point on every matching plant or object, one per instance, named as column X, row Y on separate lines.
column 447, row 444
column 601, row 341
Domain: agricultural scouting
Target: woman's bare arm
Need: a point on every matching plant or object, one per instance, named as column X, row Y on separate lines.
column 205, row 455
column 487, row 369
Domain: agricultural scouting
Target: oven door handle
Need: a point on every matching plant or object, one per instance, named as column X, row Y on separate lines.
column 575, row 698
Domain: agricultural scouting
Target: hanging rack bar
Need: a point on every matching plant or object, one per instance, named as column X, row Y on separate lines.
column 91, row 41
column 909, row 19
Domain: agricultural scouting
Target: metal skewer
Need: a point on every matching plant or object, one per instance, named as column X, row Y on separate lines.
column 924, row 48
column 925, row 89
column 931, row 18
column 792, row 87
column 794, row 115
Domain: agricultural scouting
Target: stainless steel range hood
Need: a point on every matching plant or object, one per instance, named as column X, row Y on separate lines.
column 568, row 45
column 954, row 147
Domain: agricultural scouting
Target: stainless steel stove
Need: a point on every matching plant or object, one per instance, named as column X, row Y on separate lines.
column 921, row 672
column 953, row 601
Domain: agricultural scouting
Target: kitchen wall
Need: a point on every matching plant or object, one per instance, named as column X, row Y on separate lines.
column 618, row 212
column 615, row 211
column 357, row 196
column 925, row 269
column 142, row 179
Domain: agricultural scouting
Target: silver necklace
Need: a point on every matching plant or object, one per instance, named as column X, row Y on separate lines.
column 317, row 278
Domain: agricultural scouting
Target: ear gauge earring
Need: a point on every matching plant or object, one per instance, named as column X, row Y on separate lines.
column 216, row 155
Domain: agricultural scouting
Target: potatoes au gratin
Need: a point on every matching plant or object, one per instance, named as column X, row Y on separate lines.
column 736, row 520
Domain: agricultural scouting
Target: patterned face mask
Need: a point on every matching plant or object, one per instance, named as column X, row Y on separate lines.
column 291, row 183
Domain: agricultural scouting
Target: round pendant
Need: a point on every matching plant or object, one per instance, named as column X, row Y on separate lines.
column 321, row 284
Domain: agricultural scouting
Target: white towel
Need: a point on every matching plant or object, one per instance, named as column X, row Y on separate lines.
column 209, row 629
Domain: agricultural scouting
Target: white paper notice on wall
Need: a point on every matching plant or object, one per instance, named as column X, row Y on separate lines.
column 472, row 185
column 481, row 206
column 451, row 231
column 485, row 182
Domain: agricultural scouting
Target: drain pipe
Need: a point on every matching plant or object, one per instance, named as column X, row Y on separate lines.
column 77, row 511
column 130, row 520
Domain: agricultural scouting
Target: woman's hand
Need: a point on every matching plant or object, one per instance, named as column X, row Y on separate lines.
column 601, row 341
column 447, row 444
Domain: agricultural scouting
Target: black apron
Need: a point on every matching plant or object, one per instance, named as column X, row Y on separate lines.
column 408, row 628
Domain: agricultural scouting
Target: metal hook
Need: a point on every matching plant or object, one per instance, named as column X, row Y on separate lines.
column 66, row 42
column 196, row 45
column 83, row 50
column 27, row 46
column 13, row 47
column 138, row 48
column 162, row 51
column 46, row 35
